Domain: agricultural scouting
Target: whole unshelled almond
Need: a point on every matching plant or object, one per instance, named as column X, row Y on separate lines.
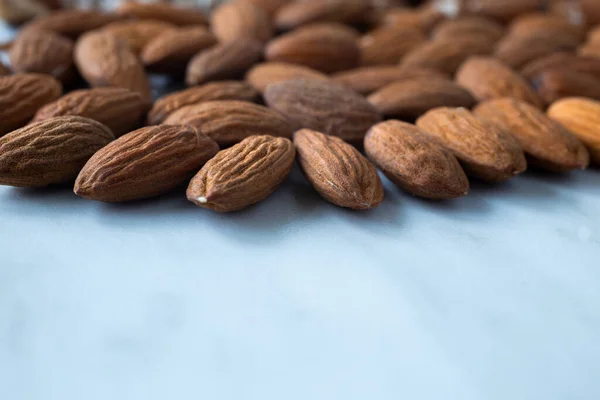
column 105, row 60
column 547, row 144
column 264, row 74
column 469, row 26
column 50, row 152
column 243, row 174
column 297, row 13
column 540, row 24
column 387, row 45
column 337, row 171
column 556, row 84
column 424, row 17
column 119, row 109
column 171, row 51
column 504, row 10
column 564, row 61
column 270, row 6
column 21, row 95
column 412, row 160
column 230, row 121
column 73, row 22
column 164, row 12
column 366, row 80
column 323, row 106
column 225, row 90
column 144, row 163
column 326, row 47
column 138, row 33
column 241, row 20
column 487, row 78
column 223, row 61
column 410, row 98
column 485, row 151
column 17, row 12
column 581, row 117
column 516, row 51
column 42, row 52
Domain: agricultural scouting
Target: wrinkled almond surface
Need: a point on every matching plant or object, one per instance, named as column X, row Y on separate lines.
column 264, row 74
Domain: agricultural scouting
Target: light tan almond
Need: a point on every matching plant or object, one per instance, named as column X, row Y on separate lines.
column 264, row 74
column 241, row 20
column 162, row 11
column 387, row 45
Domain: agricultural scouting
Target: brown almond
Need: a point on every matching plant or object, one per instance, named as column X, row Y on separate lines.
column 324, row 107
column 484, row 150
column 297, row 13
column 547, row 144
column 223, row 61
column 387, row 45
column 104, row 60
column 590, row 49
column 324, row 47
column 425, row 17
column 487, row 78
column 413, row 160
column 566, row 61
column 243, row 174
column 581, row 117
column 516, row 51
column 225, row 90
column 50, row 152
column 162, row 11
column 366, row 80
column 171, row 51
column 469, row 26
column 144, row 163
column 410, row 98
column 138, row 33
column 239, row 20
column 21, row 95
column 3, row 70
column 539, row 24
column 591, row 10
column 337, row 171
column 17, row 12
column 552, row 85
column 270, row 6
column 504, row 10
column 117, row 108
column 72, row 23
column 264, row 74
column 230, row 121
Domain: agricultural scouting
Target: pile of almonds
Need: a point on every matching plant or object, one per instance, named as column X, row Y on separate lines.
column 431, row 95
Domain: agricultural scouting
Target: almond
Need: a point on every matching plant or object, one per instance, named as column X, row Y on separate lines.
column 164, row 12
column 414, row 161
column 223, row 61
column 264, row 74
column 323, row 106
column 566, row 61
column 243, row 174
column 171, row 51
column 591, row 10
column 484, row 150
column 138, row 33
column 225, row 90
column 424, row 17
column 297, row 13
column 104, row 60
column 119, row 109
column 366, row 80
column 504, row 10
column 43, row 52
column 270, row 6
column 387, row 45
column 324, row 47
column 21, row 95
column 3, row 70
column 410, row 98
column 487, row 78
column 590, row 49
column 229, row 121
column 516, row 51
column 337, row 171
column 238, row 20
column 582, row 118
column 552, row 85
column 72, row 23
column 50, row 152
column 539, row 24
column 19, row 11
column 469, row 26
column 547, row 144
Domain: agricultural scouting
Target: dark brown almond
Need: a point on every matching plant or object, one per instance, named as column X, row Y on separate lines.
column 469, row 26
column 566, row 61
column 144, row 163
column 552, row 85
column 241, row 20
column 3, row 70
column 264, row 74
column 324, row 107
column 229, row 121
column 484, row 150
column 414, row 161
column 387, row 45
column 225, row 90
column 337, row 171
column 50, row 152
column 516, row 51
column 164, row 12
column 73, row 22
column 297, row 13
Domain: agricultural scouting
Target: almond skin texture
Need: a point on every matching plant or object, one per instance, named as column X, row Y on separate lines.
column 138, row 33
column 119, row 109
column 243, row 174
column 42, row 52
column 546, row 142
column 104, row 60
column 50, row 152
column 229, row 122
column 337, row 171
column 165, row 12
column 144, row 163
column 410, row 98
column 516, row 51
column 21, row 95
column 415, row 162
column 225, row 90
column 366, row 80
column 553, row 85
column 325, row 47
column 323, row 107
column 582, row 118
column 487, row 78
column 238, row 20
column 264, row 74
column 469, row 26
column 297, row 13
column 72, row 23
column 223, row 61
column 484, row 150
column 387, row 45
column 565, row 61
column 171, row 51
